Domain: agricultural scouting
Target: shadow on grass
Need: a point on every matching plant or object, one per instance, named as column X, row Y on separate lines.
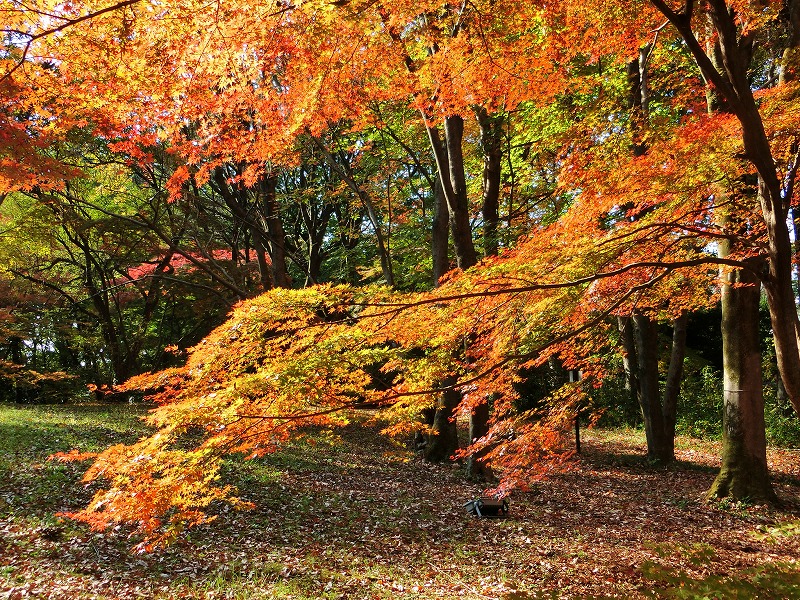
column 773, row 580
column 31, row 484
column 638, row 461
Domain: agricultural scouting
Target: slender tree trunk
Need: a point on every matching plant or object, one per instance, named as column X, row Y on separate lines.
column 478, row 427
column 344, row 171
column 629, row 362
column 438, row 417
column 638, row 332
column 781, row 301
column 796, row 232
column 440, row 234
column 639, row 339
column 277, row 235
column 492, row 145
column 316, row 227
column 790, row 61
column 239, row 211
column 646, row 341
column 443, row 440
column 15, row 344
column 672, row 387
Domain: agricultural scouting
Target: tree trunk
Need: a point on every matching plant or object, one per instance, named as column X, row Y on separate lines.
column 239, row 210
column 440, row 234
column 672, row 387
column 795, row 213
column 491, row 144
column 744, row 473
column 629, row 362
column 345, row 172
column 478, row 427
column 639, row 339
column 638, row 332
column 15, row 344
column 790, row 61
column 316, row 225
column 277, row 235
column 659, row 449
column 443, row 440
column 730, row 79
column 450, row 165
column 458, row 202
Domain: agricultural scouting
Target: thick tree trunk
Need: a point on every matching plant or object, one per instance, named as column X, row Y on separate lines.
column 457, row 201
column 783, row 312
column 450, row 165
column 729, row 77
column 744, row 472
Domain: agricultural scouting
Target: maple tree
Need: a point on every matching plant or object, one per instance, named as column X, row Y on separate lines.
column 627, row 237
column 127, row 272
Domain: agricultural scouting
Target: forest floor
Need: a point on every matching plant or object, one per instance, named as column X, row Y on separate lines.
column 364, row 519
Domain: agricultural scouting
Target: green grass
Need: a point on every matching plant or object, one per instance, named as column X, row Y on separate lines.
column 766, row 581
column 32, row 484
column 33, row 489
column 348, row 518
column 30, row 430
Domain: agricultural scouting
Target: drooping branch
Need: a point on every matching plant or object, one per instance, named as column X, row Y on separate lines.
column 668, row 267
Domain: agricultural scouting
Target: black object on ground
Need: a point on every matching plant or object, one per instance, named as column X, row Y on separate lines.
column 487, row 507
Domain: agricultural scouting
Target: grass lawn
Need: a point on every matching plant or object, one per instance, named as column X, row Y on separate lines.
column 364, row 519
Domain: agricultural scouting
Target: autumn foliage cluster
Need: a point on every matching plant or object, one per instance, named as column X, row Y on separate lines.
column 618, row 164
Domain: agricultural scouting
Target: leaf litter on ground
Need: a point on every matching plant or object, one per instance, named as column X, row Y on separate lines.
column 364, row 518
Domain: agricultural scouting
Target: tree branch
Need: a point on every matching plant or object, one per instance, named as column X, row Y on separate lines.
column 32, row 37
